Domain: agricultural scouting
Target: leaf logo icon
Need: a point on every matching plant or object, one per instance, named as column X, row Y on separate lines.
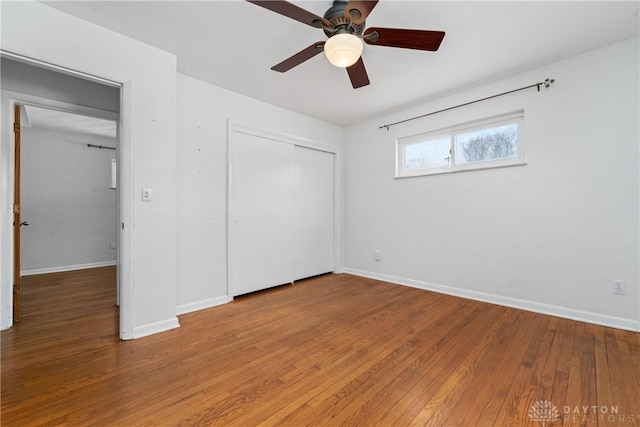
column 543, row 411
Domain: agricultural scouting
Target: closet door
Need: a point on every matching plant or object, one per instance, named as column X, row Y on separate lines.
column 313, row 199
column 262, row 213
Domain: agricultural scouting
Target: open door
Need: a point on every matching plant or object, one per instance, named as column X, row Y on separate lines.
column 16, row 215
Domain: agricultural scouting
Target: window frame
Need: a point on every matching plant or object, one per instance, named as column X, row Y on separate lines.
column 403, row 142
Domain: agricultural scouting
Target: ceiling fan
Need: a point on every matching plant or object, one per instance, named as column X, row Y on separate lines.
column 344, row 24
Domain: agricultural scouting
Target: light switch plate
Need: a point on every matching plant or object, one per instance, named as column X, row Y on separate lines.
column 146, row 194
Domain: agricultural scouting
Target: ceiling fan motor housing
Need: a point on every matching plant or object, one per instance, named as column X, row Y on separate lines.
column 339, row 22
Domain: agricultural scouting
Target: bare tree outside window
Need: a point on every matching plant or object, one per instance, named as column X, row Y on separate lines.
column 487, row 143
column 492, row 144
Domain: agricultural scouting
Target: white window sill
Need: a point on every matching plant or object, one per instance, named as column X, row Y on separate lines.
column 448, row 171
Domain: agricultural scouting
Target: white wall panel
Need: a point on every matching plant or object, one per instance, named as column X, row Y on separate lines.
column 314, row 207
column 281, row 210
column 66, row 199
column 263, row 213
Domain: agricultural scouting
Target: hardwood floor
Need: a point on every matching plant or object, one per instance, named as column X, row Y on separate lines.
column 332, row 350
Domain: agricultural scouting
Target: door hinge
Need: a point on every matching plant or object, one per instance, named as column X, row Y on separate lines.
column 16, row 128
column 16, row 209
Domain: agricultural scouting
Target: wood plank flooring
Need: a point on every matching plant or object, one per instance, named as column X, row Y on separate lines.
column 332, row 350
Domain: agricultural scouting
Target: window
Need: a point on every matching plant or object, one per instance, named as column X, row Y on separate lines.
column 489, row 143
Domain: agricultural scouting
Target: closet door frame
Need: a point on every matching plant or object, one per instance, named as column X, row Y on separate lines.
column 235, row 127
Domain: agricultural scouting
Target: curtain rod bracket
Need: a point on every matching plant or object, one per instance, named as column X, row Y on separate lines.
column 547, row 82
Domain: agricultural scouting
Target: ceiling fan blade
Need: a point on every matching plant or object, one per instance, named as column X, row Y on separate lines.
column 358, row 74
column 407, row 39
column 299, row 58
column 292, row 11
column 359, row 10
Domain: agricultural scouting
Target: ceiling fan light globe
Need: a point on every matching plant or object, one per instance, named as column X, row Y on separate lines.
column 343, row 50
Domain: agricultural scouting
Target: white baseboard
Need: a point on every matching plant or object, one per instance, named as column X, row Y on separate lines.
column 67, row 268
column 536, row 307
column 154, row 328
column 201, row 305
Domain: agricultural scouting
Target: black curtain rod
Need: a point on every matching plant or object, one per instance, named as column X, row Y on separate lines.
column 102, row 147
column 545, row 83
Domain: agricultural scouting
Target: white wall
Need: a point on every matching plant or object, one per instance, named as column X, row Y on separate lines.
column 203, row 112
column 549, row 236
column 31, row 29
column 25, row 78
column 67, row 201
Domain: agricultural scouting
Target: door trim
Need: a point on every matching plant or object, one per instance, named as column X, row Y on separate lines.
column 17, row 138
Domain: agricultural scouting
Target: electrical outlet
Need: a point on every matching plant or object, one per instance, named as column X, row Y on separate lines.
column 376, row 255
column 112, row 245
column 619, row 287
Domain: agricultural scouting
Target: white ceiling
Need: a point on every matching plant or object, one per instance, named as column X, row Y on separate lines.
column 46, row 118
column 233, row 44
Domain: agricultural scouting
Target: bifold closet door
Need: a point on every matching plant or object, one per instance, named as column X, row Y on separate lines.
column 313, row 200
column 263, row 209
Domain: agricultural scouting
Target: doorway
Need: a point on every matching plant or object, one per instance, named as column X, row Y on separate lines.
column 68, row 211
column 68, row 119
